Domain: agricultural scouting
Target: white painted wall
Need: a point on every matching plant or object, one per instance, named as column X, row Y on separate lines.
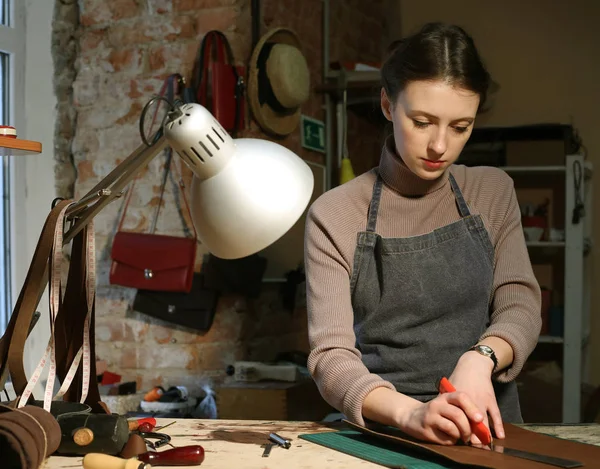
column 33, row 183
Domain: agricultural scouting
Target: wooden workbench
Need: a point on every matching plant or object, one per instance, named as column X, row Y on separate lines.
column 237, row 444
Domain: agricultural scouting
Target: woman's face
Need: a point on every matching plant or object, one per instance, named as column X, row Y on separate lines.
column 432, row 122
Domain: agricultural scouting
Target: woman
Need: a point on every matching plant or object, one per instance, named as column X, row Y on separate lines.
column 418, row 269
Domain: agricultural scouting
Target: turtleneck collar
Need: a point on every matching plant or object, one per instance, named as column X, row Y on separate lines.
column 400, row 178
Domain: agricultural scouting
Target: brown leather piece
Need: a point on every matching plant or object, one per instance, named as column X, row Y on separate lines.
column 34, row 441
column 27, row 436
column 516, row 438
column 69, row 328
column 49, row 423
column 134, row 447
column 16, row 445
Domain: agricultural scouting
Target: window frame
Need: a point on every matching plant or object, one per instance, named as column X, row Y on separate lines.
column 13, row 44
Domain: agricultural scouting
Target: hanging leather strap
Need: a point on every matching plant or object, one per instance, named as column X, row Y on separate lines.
column 12, row 344
column 69, row 327
column 70, row 321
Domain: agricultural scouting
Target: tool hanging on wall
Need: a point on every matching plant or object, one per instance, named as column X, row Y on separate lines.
column 346, row 171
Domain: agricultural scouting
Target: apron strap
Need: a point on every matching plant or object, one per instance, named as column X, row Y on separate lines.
column 374, row 205
column 463, row 208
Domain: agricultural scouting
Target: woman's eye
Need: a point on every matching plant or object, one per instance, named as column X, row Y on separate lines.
column 420, row 124
column 460, row 130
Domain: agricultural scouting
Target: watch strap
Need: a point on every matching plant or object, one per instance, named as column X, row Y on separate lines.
column 486, row 351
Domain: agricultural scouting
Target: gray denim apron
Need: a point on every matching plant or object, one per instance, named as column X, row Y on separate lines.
column 421, row 302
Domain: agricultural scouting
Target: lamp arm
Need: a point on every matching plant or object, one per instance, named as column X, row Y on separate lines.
column 111, row 187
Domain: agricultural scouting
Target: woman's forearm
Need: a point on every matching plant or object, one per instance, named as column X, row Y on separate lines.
column 502, row 349
column 387, row 406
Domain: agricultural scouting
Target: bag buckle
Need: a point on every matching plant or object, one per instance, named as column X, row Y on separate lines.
column 148, row 274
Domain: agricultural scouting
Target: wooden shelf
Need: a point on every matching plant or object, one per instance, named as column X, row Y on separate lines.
column 19, row 144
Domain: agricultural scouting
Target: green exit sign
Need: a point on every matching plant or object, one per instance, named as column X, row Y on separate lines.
column 312, row 133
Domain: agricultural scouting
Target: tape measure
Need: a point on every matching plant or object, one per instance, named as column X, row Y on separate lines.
column 8, row 131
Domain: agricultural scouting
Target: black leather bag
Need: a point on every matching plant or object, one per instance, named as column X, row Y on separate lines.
column 195, row 309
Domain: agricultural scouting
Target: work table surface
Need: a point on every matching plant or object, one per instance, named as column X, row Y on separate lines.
column 237, row 444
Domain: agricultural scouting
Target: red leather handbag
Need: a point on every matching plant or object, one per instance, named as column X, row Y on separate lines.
column 219, row 84
column 149, row 261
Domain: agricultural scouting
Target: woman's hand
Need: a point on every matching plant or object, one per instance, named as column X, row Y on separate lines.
column 443, row 420
column 473, row 376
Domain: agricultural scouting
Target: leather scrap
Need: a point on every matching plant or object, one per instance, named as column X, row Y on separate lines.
column 27, row 436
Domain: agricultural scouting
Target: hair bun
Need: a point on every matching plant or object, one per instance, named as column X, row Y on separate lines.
column 395, row 45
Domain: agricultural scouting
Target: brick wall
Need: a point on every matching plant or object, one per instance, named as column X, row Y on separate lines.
column 125, row 49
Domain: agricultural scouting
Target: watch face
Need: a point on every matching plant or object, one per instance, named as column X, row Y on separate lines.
column 485, row 349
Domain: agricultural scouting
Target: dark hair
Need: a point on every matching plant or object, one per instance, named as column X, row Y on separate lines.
column 437, row 52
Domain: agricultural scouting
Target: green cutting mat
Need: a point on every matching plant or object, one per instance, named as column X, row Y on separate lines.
column 354, row 443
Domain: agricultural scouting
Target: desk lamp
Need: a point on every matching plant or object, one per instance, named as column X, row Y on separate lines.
column 245, row 193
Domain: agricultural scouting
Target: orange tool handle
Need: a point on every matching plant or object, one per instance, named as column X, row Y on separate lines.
column 481, row 431
column 146, row 424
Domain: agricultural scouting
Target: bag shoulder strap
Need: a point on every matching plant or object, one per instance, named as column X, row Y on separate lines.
column 171, row 88
column 216, row 42
column 213, row 43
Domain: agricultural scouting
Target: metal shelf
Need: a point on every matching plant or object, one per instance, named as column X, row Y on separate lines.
column 356, row 77
column 587, row 165
column 550, row 339
column 546, row 244
column 534, row 132
column 533, row 169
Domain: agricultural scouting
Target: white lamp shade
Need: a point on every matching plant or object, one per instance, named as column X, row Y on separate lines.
column 246, row 193
column 251, row 202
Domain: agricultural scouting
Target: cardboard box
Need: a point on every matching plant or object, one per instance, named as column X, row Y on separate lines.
column 271, row 400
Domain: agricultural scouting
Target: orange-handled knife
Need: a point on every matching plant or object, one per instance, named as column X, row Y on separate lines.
column 481, row 431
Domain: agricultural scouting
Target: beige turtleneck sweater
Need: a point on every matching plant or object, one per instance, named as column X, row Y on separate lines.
column 410, row 206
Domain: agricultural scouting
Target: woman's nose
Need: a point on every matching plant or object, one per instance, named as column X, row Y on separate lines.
column 438, row 143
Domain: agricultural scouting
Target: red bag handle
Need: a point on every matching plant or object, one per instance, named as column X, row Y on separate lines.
column 215, row 43
column 213, row 49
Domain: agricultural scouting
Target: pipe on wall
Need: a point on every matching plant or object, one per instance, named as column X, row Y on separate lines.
column 256, row 21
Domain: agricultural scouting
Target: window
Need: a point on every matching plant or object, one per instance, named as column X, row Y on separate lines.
column 12, row 60
column 4, row 12
column 5, row 284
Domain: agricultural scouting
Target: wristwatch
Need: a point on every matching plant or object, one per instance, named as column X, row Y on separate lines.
column 486, row 351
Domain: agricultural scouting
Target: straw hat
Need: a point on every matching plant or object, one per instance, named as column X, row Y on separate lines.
column 278, row 81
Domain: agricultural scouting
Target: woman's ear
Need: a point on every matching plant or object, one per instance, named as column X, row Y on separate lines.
column 386, row 105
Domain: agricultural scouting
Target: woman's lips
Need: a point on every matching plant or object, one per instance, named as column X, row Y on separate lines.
column 433, row 164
